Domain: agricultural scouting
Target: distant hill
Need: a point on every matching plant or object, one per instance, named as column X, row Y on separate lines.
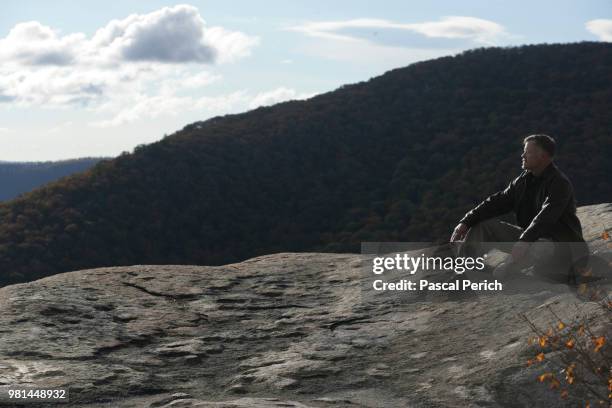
column 20, row 177
column 397, row 158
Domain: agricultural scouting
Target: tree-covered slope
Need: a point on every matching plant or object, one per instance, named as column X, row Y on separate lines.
column 397, row 158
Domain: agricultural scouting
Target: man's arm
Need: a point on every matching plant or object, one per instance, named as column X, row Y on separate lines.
column 559, row 194
column 495, row 205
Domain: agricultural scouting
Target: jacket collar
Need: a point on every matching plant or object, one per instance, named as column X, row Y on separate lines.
column 548, row 171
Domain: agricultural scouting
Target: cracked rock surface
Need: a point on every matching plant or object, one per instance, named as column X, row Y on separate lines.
column 281, row 330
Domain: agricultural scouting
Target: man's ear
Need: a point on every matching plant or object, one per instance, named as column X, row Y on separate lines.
column 543, row 154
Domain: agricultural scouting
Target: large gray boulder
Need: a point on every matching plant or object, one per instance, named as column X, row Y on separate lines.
column 282, row 330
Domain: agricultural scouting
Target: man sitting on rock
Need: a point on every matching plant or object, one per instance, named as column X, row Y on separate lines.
column 542, row 199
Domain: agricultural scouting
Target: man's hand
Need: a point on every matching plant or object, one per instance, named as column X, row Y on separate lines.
column 459, row 232
column 519, row 250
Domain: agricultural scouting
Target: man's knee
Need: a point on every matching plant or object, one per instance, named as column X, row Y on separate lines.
column 486, row 223
column 543, row 250
column 485, row 230
column 475, row 238
column 496, row 230
column 481, row 229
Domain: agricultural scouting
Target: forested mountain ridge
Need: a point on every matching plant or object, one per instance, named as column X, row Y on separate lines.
column 397, row 158
column 21, row 177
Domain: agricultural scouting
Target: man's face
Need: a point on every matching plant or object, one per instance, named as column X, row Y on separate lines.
column 533, row 156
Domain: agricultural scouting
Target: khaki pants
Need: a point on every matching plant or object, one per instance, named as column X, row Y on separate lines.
column 496, row 234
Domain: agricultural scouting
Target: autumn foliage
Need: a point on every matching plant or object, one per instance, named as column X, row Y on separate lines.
column 581, row 355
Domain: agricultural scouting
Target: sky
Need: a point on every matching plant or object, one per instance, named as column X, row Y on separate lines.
column 97, row 78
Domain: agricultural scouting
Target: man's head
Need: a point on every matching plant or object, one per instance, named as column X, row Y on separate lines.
column 538, row 152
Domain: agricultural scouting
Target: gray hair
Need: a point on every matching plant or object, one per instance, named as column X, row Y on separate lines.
column 547, row 143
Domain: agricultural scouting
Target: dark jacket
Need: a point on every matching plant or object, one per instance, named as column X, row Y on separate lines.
column 544, row 206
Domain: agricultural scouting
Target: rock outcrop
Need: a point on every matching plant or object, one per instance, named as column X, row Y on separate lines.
column 282, row 330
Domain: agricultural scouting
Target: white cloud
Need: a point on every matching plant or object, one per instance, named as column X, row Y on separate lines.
column 454, row 27
column 382, row 57
column 62, row 127
column 4, row 130
column 188, row 82
column 234, row 44
column 277, row 95
column 67, row 86
column 32, row 43
column 479, row 30
column 144, row 106
column 601, row 28
column 341, row 40
column 174, row 35
column 170, row 35
column 135, row 58
column 137, row 105
column 230, row 103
